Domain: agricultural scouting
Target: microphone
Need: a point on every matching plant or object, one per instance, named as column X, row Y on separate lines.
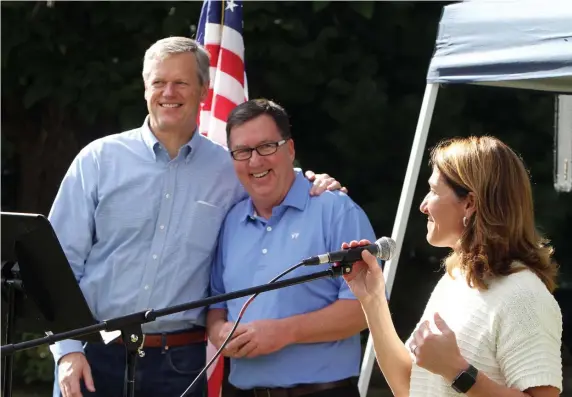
column 383, row 249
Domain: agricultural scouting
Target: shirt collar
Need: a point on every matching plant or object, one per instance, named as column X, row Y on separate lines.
column 297, row 197
column 154, row 145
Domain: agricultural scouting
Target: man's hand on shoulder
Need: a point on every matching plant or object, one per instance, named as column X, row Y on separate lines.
column 323, row 182
column 71, row 369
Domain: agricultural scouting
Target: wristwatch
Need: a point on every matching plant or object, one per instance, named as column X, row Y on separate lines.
column 465, row 380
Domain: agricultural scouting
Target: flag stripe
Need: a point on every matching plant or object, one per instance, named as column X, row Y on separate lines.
column 204, row 118
column 207, row 104
column 212, row 71
column 231, row 64
column 228, row 86
column 231, row 38
column 217, row 131
column 222, row 108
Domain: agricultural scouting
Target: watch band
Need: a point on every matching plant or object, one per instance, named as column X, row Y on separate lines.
column 465, row 380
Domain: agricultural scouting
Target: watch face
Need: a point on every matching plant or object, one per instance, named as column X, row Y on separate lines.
column 465, row 380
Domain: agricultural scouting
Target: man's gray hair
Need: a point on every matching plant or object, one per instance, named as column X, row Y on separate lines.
column 178, row 45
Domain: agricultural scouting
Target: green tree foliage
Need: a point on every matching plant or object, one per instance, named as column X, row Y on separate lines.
column 351, row 74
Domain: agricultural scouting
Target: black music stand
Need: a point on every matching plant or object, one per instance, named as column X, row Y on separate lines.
column 39, row 290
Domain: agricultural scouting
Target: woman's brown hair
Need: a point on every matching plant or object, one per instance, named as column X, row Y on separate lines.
column 502, row 229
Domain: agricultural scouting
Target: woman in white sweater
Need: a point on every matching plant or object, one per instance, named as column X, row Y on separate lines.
column 491, row 326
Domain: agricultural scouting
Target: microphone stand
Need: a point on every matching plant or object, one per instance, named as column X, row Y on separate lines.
column 11, row 286
column 130, row 325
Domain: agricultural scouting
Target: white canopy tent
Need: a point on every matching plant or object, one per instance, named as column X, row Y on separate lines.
column 525, row 44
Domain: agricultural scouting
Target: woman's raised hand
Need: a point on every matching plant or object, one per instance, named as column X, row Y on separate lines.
column 366, row 279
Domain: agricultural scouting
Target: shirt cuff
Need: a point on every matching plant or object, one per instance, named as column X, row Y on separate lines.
column 220, row 305
column 60, row 349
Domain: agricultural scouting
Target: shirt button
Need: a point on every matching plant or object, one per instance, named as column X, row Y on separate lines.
column 167, row 195
column 154, row 256
column 162, row 227
column 268, row 228
column 264, row 251
column 146, row 287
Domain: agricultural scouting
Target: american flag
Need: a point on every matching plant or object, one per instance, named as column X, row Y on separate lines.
column 220, row 32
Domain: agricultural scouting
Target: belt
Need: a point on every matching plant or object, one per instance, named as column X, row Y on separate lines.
column 300, row 390
column 177, row 339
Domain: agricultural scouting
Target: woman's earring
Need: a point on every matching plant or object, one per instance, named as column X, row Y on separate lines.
column 465, row 221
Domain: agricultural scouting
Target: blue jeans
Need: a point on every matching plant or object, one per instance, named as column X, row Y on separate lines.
column 161, row 373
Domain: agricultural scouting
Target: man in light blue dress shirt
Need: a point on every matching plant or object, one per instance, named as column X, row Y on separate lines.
column 138, row 215
column 303, row 338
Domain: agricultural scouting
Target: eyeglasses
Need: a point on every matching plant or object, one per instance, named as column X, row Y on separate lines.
column 266, row 149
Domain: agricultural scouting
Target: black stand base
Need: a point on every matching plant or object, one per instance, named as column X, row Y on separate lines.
column 133, row 339
column 9, row 336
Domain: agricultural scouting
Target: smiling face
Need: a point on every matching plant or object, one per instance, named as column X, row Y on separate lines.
column 267, row 179
column 445, row 212
column 173, row 93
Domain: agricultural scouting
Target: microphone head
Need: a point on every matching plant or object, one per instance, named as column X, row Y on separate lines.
column 386, row 248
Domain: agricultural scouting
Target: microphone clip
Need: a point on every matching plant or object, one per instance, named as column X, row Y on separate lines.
column 341, row 268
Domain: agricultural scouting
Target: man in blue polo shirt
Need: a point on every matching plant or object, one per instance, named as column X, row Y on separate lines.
column 304, row 337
